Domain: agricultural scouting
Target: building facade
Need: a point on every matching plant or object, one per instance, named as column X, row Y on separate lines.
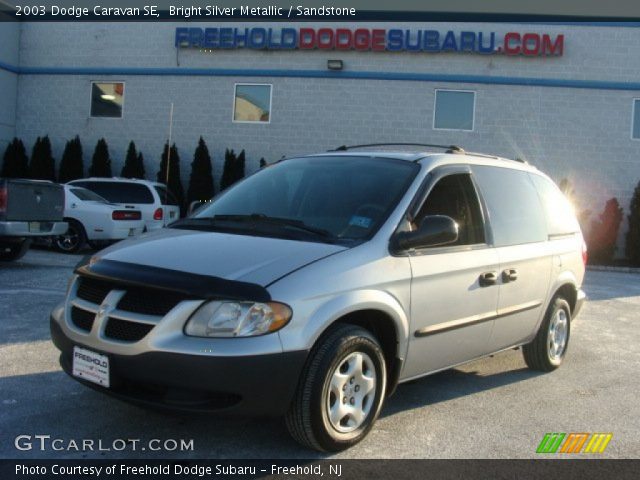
column 565, row 97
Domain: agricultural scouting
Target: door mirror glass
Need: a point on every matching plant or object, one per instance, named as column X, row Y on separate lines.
column 434, row 230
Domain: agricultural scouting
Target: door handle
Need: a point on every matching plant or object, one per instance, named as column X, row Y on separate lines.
column 488, row 278
column 509, row 275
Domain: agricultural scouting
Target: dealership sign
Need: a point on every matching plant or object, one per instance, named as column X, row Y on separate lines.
column 375, row 40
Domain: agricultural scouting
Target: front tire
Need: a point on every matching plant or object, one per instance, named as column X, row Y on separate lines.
column 548, row 349
column 341, row 390
column 73, row 239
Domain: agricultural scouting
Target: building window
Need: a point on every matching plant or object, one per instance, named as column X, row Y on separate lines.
column 635, row 121
column 252, row 103
column 107, row 99
column 454, row 110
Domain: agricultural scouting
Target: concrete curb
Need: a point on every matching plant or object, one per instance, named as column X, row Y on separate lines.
column 607, row 268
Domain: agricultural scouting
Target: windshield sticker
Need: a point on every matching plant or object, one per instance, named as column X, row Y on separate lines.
column 362, row 222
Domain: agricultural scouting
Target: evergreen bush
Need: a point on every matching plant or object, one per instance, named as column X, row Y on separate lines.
column 72, row 163
column 101, row 161
column 201, row 179
column 15, row 162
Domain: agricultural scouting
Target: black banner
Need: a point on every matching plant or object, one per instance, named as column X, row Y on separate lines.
column 565, row 469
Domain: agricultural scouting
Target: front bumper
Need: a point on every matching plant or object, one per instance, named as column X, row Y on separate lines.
column 28, row 229
column 261, row 385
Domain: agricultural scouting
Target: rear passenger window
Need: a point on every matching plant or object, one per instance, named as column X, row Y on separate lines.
column 120, row 192
column 455, row 197
column 561, row 219
column 515, row 212
column 166, row 197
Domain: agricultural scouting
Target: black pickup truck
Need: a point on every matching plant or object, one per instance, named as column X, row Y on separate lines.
column 28, row 208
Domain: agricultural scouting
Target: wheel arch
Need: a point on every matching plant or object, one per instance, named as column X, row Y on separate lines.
column 379, row 313
column 383, row 328
column 566, row 285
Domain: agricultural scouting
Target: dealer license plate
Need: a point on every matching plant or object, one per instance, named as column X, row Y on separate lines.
column 91, row 366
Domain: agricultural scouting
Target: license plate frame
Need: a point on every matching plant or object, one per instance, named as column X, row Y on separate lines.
column 91, row 366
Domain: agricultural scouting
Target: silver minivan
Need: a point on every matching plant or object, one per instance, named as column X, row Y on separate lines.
column 312, row 288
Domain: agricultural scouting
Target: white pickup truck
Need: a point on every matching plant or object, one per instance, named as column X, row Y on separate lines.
column 28, row 209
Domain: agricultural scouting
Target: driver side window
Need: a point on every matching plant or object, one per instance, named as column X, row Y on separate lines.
column 456, row 197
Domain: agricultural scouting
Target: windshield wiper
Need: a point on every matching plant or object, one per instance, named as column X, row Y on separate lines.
column 222, row 221
column 287, row 222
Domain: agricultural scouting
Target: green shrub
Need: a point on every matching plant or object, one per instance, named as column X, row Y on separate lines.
column 201, row 179
column 72, row 164
column 42, row 165
column 632, row 244
column 133, row 164
column 601, row 241
column 101, row 161
column 15, row 163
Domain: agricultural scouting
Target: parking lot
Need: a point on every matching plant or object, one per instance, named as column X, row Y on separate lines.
column 493, row 408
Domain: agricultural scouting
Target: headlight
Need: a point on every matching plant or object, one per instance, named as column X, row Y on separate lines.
column 237, row 319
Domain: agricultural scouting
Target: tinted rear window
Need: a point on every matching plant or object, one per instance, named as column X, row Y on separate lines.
column 515, row 212
column 558, row 211
column 166, row 197
column 119, row 192
column 88, row 195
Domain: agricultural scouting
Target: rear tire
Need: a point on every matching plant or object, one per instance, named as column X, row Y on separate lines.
column 73, row 239
column 14, row 251
column 547, row 351
column 341, row 390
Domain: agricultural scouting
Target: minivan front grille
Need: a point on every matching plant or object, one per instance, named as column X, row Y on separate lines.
column 149, row 302
column 82, row 319
column 126, row 331
column 135, row 314
column 144, row 300
column 93, row 290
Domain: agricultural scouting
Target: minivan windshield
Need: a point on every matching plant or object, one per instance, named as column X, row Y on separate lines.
column 329, row 199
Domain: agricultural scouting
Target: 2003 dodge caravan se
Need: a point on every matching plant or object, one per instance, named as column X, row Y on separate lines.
column 315, row 286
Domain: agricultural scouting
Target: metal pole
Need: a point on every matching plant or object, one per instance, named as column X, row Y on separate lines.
column 169, row 149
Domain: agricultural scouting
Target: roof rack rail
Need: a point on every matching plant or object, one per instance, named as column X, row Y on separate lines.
column 448, row 148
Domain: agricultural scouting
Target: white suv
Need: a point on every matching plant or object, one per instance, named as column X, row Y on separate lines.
column 158, row 205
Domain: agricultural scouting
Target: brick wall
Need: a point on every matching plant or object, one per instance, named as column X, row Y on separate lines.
column 582, row 134
column 9, row 54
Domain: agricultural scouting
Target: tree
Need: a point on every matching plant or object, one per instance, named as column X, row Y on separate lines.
column 15, row 163
column 233, row 168
column 141, row 172
column 227, row 171
column 601, row 241
column 72, row 164
column 632, row 249
column 174, row 184
column 42, row 166
column 201, row 179
column 101, row 161
column 134, row 163
column 239, row 170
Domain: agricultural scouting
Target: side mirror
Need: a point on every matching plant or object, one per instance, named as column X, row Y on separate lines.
column 435, row 230
column 193, row 206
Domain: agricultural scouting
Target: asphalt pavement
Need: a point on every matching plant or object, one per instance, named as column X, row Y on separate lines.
column 492, row 408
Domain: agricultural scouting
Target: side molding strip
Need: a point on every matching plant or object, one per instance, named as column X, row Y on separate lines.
column 475, row 319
